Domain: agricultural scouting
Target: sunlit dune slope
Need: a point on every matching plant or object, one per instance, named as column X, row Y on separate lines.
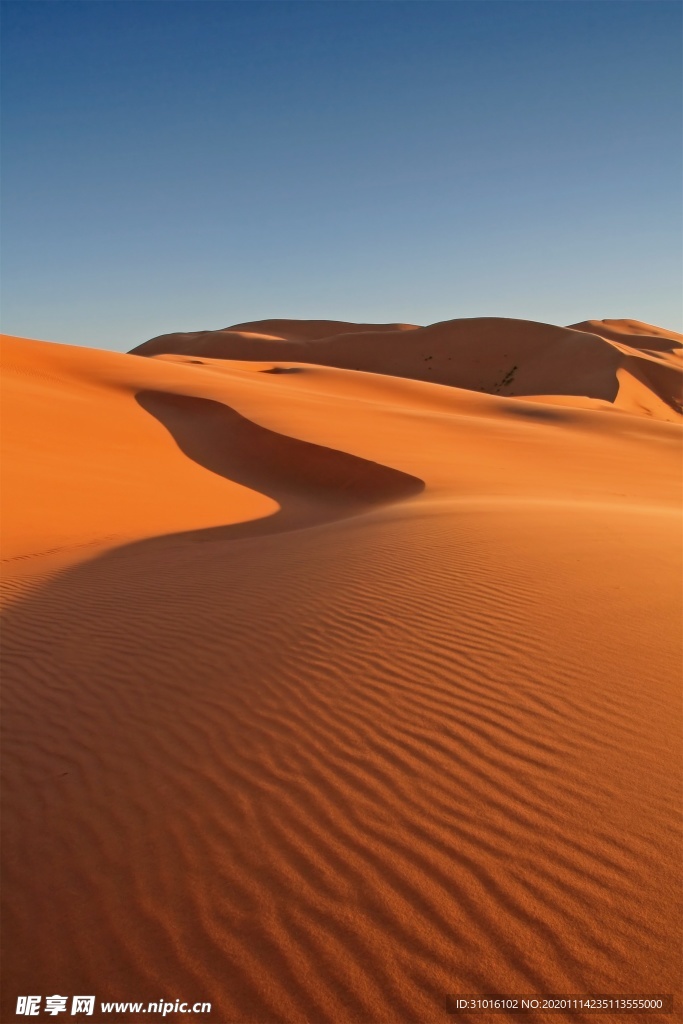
column 329, row 694
column 616, row 363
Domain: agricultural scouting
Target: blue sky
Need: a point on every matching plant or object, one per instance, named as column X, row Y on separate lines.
column 189, row 165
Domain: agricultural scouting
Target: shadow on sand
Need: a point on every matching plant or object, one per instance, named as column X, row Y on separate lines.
column 311, row 483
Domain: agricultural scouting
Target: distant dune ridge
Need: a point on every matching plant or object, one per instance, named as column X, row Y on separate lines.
column 341, row 667
column 635, row 367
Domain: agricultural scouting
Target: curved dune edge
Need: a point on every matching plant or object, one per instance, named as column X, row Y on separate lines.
column 515, row 358
column 309, row 483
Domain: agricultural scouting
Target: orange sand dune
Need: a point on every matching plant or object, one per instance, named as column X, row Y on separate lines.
column 341, row 668
column 508, row 357
column 635, row 334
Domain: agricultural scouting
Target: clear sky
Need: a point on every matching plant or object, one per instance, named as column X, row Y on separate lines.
column 190, row 165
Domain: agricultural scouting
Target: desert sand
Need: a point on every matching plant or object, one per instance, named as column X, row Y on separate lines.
column 342, row 667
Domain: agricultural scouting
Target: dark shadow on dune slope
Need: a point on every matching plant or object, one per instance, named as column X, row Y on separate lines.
column 663, row 381
column 650, row 343
column 547, row 414
column 311, row 483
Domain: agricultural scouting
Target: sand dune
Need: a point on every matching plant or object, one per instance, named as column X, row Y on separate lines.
column 341, row 668
column 493, row 355
column 634, row 334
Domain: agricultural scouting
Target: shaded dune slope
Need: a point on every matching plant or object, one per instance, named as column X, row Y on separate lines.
column 499, row 356
column 310, row 483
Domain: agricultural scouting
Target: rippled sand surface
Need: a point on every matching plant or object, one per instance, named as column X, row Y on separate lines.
column 340, row 677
